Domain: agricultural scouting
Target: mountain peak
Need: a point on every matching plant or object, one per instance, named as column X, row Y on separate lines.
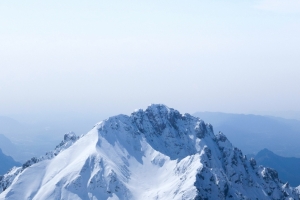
column 156, row 153
column 159, row 107
column 266, row 152
column 70, row 136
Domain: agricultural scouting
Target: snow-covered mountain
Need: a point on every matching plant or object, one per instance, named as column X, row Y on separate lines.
column 156, row 153
column 7, row 179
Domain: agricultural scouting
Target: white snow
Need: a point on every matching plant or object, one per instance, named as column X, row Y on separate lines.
column 153, row 154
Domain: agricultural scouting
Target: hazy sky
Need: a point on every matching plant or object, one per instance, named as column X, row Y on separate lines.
column 110, row 57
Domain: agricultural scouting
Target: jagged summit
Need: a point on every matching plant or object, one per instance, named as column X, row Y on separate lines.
column 165, row 129
column 156, row 153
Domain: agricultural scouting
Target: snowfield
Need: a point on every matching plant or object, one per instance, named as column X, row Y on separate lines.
column 156, row 153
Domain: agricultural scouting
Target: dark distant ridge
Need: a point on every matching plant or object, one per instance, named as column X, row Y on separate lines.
column 7, row 146
column 251, row 133
column 6, row 163
column 288, row 168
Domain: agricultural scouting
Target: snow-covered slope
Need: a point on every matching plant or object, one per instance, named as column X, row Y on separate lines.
column 153, row 154
column 7, row 179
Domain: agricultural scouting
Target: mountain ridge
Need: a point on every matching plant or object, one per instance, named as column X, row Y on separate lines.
column 251, row 133
column 6, row 163
column 287, row 167
column 156, row 153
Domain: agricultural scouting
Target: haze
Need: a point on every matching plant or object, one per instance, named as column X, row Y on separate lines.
column 73, row 58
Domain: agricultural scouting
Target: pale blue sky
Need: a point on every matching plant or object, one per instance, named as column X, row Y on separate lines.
column 111, row 57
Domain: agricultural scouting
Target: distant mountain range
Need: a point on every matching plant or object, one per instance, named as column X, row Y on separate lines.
column 251, row 133
column 156, row 153
column 23, row 141
column 6, row 163
column 288, row 168
column 8, row 147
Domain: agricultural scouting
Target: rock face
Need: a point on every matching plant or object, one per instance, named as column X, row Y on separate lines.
column 156, row 153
